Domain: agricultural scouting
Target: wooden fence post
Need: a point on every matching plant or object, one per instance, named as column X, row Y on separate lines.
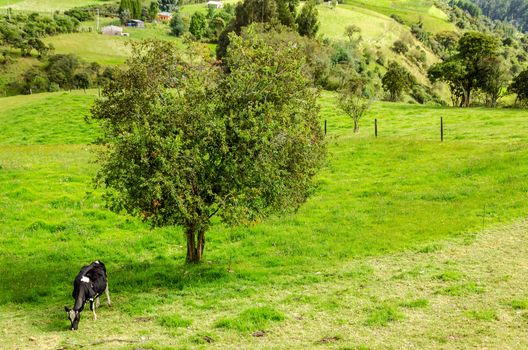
column 441, row 129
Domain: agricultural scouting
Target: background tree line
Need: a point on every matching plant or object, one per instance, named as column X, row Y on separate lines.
column 24, row 32
column 514, row 11
column 62, row 72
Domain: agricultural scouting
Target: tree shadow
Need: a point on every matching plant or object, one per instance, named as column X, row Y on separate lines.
column 30, row 280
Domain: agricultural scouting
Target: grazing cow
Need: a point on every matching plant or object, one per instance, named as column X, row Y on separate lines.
column 88, row 285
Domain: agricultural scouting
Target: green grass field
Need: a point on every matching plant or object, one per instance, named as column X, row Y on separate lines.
column 48, row 5
column 105, row 49
column 412, row 11
column 389, row 253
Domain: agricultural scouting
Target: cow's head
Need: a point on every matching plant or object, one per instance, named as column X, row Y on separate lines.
column 74, row 317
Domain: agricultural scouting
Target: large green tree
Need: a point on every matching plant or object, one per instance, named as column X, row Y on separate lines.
column 495, row 79
column 176, row 24
column 246, row 12
column 519, row 86
column 396, row 80
column 307, row 21
column 130, row 7
column 198, row 25
column 167, row 5
column 474, row 49
column 453, row 72
column 185, row 143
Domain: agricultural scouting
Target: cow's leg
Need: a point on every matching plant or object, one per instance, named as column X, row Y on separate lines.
column 108, row 295
column 97, row 302
column 93, row 310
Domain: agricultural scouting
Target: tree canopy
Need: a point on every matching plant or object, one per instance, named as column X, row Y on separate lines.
column 519, row 86
column 467, row 70
column 184, row 143
column 396, row 80
column 307, row 21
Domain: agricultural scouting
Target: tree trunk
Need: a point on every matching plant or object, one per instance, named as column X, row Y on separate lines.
column 356, row 126
column 195, row 245
column 467, row 96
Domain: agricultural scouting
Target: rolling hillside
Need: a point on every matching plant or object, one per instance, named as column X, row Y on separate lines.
column 378, row 30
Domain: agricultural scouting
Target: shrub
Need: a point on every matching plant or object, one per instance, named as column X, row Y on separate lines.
column 400, row 47
column 397, row 18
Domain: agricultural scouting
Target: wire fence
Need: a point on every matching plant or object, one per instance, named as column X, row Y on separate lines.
column 505, row 125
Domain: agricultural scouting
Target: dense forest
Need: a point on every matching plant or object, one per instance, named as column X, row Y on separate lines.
column 514, row 11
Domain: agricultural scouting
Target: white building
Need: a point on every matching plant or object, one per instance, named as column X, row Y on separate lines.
column 216, row 4
column 112, row 30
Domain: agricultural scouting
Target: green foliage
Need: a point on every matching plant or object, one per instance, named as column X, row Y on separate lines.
column 494, row 79
column 400, row 47
column 397, row 18
column 257, row 318
column 25, row 32
column 81, row 80
column 467, row 5
column 61, row 72
column 307, row 21
column 352, row 30
column 519, row 86
column 246, row 12
column 286, row 12
column 452, row 72
column 397, row 80
column 472, row 46
column 354, row 105
column 198, row 25
column 420, row 33
column 316, row 54
column 167, row 5
column 253, row 150
column 130, row 9
column 176, row 24
column 474, row 66
column 506, row 10
column 153, row 10
column 79, row 14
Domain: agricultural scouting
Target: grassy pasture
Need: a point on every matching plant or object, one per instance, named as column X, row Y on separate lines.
column 105, row 49
column 367, row 255
column 48, row 5
column 412, row 11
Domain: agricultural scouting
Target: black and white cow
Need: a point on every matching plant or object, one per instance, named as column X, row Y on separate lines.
column 87, row 286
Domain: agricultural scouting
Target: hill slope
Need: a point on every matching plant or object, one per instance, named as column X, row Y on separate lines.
column 378, row 30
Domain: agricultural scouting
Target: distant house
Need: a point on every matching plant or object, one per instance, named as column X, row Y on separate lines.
column 136, row 23
column 112, row 30
column 164, row 16
column 215, row 4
